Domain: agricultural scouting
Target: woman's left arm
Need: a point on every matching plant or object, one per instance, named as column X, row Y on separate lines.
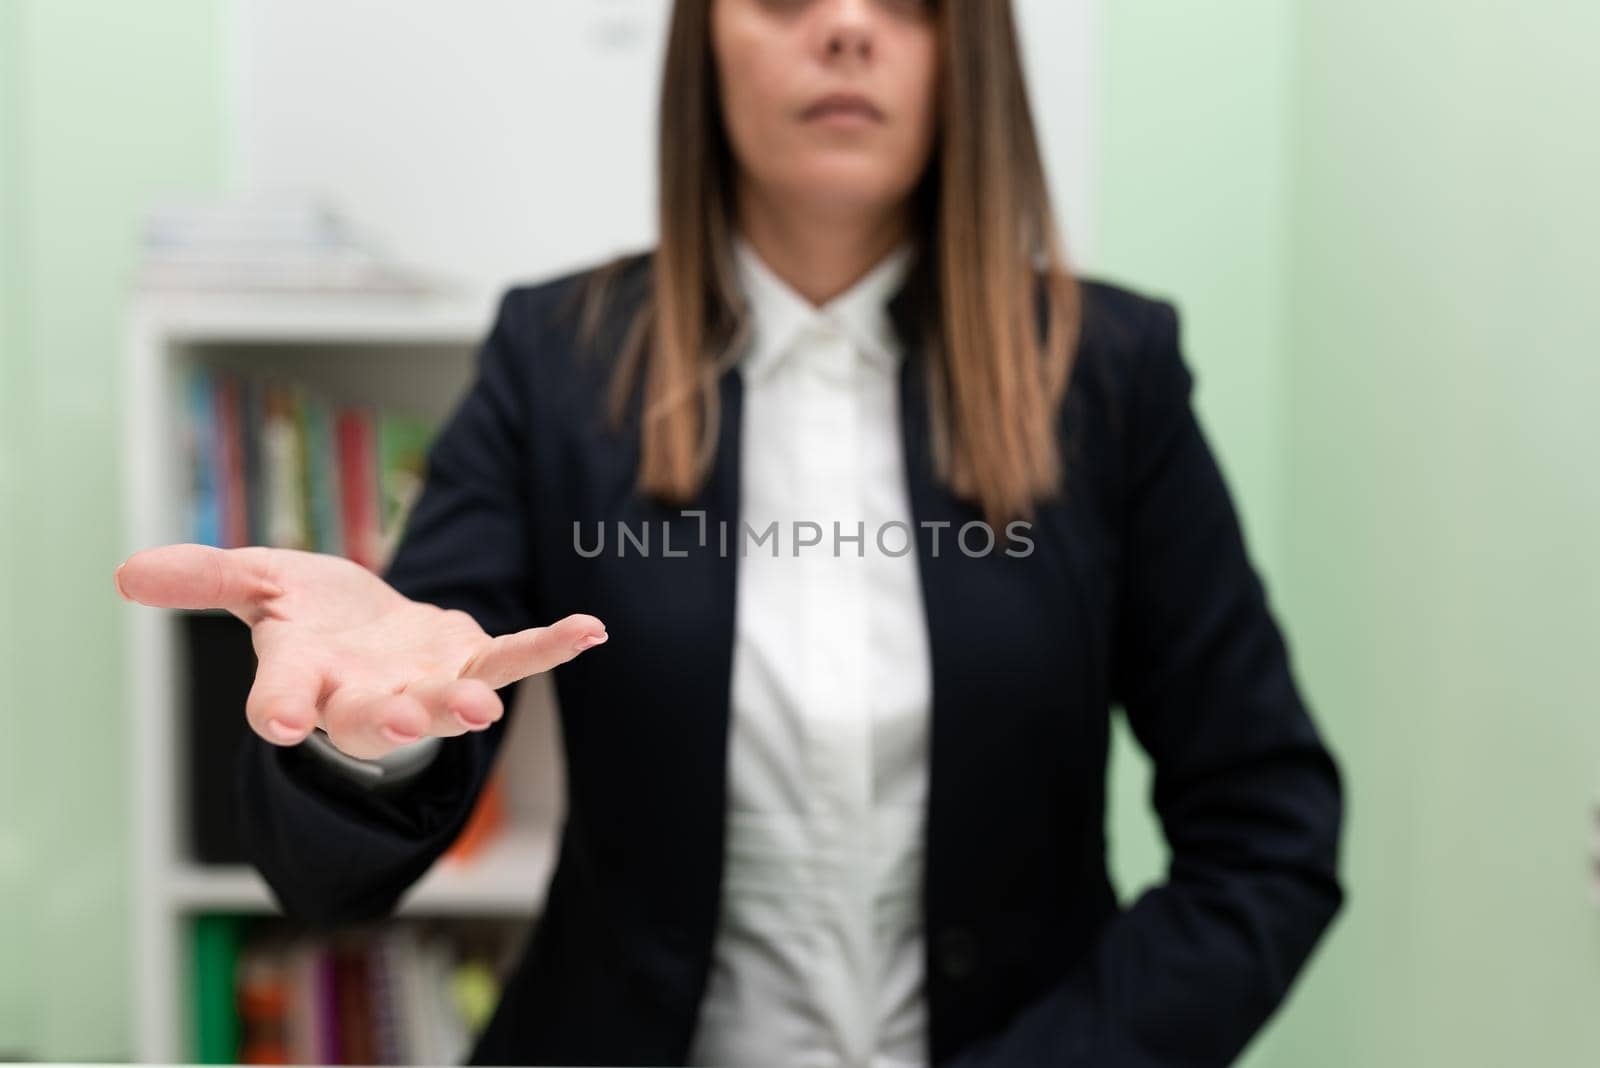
column 1250, row 799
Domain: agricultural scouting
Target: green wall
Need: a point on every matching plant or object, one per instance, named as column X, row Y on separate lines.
column 1401, row 324
column 1192, row 205
column 1193, row 201
column 104, row 105
column 1444, row 509
column 12, row 886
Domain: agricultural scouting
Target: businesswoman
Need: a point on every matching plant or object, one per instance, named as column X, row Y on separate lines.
column 856, row 514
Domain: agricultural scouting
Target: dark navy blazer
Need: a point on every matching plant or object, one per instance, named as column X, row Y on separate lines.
column 1138, row 593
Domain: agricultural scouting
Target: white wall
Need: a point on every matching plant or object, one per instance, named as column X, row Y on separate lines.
column 504, row 139
column 1061, row 50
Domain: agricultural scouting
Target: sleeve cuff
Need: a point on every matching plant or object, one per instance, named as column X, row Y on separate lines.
column 385, row 773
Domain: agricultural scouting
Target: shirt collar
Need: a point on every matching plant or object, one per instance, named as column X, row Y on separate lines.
column 780, row 314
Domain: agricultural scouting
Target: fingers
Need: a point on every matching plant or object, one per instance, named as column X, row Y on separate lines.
column 282, row 706
column 510, row 657
column 456, row 706
column 368, row 723
column 292, row 695
column 198, row 576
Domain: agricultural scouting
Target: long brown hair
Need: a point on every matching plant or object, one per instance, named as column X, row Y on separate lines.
column 999, row 308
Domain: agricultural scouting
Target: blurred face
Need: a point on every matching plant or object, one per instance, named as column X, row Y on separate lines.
column 829, row 104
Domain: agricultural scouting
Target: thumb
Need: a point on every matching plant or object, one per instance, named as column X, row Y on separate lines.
column 197, row 576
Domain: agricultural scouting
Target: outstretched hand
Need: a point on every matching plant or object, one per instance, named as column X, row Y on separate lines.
column 338, row 647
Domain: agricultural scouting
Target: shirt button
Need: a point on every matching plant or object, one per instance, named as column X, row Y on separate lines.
column 957, row 952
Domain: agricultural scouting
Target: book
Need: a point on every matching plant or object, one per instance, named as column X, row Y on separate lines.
column 230, row 461
column 284, row 470
column 305, row 1035
column 321, row 475
column 200, row 450
column 405, row 992
column 484, row 825
column 275, row 462
column 251, row 398
column 357, row 460
column 262, row 996
column 216, row 956
column 351, row 977
column 403, row 442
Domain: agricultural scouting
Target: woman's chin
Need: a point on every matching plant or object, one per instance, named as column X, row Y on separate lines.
column 844, row 191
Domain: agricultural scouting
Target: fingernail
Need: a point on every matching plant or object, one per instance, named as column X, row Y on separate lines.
column 470, row 723
column 398, row 737
column 588, row 641
column 116, row 577
column 281, row 731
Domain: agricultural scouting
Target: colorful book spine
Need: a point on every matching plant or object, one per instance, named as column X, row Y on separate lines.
column 230, row 462
column 251, row 392
column 200, row 445
column 356, row 1044
column 388, row 1022
column 322, row 476
column 405, row 993
column 358, row 484
column 286, row 527
column 216, row 957
column 263, row 1005
column 403, row 442
column 275, row 462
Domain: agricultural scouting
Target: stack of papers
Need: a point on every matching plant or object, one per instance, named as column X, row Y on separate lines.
column 275, row 243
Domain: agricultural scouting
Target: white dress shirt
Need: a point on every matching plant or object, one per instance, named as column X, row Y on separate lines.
column 818, row 953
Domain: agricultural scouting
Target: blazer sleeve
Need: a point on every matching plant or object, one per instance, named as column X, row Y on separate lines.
column 332, row 851
column 1249, row 797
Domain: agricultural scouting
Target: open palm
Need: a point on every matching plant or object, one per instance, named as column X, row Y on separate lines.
column 337, row 647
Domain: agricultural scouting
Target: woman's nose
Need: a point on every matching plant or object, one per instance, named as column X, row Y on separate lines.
column 848, row 28
column 846, row 41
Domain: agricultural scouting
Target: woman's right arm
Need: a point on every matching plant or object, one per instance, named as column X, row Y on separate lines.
column 432, row 649
column 334, row 849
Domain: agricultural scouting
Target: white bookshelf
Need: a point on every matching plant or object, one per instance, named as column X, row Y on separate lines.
column 404, row 351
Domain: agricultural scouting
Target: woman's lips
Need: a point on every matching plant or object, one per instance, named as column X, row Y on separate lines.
column 842, row 108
